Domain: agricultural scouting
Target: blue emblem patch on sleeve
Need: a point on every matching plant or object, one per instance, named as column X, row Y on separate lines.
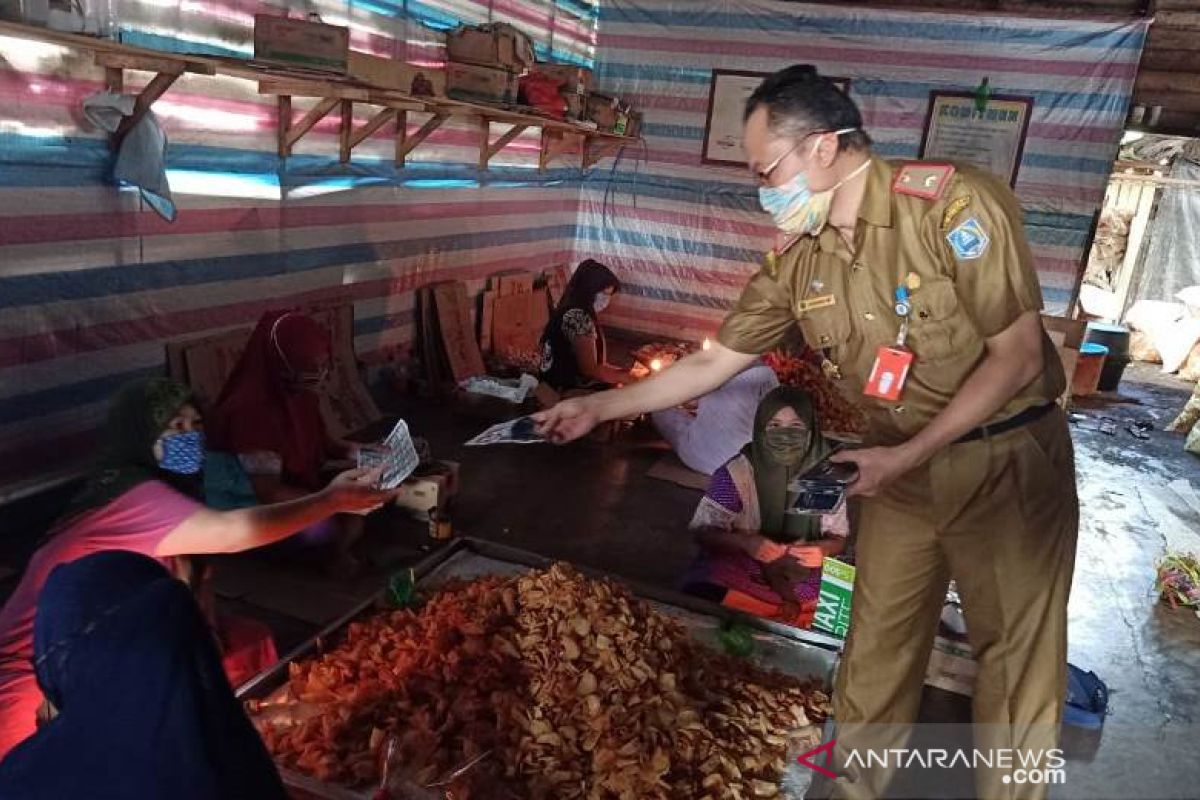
column 968, row 241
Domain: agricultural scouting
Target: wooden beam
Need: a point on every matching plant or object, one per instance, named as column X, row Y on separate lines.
column 1160, row 38
column 376, row 122
column 1150, row 81
column 145, row 63
column 114, row 79
column 283, row 123
column 594, row 150
column 344, row 130
column 485, row 140
column 412, row 142
column 556, row 142
column 153, row 90
column 489, row 149
column 401, row 137
column 1181, row 61
column 311, row 88
column 293, row 133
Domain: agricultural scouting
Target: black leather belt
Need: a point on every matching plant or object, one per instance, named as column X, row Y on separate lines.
column 1003, row 426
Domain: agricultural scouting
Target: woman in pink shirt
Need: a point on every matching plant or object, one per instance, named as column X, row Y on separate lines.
column 132, row 501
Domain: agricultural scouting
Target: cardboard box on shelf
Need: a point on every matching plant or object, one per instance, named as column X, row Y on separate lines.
column 429, row 489
column 388, row 73
column 498, row 45
column 301, row 42
column 474, row 83
column 569, row 75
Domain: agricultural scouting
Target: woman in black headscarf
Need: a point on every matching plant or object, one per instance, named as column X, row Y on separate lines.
column 143, row 708
column 573, row 348
column 754, row 556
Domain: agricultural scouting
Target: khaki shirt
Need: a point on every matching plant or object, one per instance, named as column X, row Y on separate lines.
column 845, row 301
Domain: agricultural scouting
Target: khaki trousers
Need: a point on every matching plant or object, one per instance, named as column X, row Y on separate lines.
column 999, row 515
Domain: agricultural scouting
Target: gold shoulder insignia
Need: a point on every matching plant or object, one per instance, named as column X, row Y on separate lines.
column 956, row 207
column 921, row 179
column 771, row 264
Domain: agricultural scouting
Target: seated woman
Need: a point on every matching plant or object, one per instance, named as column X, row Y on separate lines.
column 573, row 348
column 139, row 704
column 155, row 443
column 268, row 416
column 754, row 557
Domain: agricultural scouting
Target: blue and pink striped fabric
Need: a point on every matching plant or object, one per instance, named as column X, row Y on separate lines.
column 684, row 235
column 93, row 284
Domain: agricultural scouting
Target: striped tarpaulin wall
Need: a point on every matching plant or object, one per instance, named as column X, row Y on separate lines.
column 696, row 232
column 93, row 284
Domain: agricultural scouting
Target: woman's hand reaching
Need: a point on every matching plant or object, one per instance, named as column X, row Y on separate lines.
column 354, row 491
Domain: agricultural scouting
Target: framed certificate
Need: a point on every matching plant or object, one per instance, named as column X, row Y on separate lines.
column 727, row 96
column 992, row 138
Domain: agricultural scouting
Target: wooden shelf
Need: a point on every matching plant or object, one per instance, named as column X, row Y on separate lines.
column 331, row 91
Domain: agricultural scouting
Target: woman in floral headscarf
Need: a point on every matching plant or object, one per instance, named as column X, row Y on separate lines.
column 754, row 556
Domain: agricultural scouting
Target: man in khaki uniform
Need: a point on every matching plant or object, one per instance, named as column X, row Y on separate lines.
column 968, row 470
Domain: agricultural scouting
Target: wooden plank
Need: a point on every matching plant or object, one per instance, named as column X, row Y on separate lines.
column 401, row 137
column 1072, row 330
column 311, row 88
column 556, row 284
column 376, row 122
column 412, row 142
column 315, row 114
column 161, row 63
column 1161, row 60
column 501, row 143
column 345, row 130
column 283, row 124
column 1178, row 102
column 347, row 406
column 154, row 90
column 458, row 338
column 516, row 282
column 1150, row 81
column 209, row 361
column 1188, row 20
column 518, row 321
column 1166, row 38
column 486, row 311
column 485, row 141
column 114, row 79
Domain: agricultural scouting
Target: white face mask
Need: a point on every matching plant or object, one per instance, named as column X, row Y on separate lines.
column 601, row 302
column 794, row 207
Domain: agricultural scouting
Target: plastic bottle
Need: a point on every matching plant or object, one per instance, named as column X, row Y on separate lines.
column 622, row 123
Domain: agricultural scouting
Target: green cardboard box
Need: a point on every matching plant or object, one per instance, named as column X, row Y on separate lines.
column 833, row 604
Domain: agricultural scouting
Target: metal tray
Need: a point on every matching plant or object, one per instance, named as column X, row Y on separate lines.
column 804, row 654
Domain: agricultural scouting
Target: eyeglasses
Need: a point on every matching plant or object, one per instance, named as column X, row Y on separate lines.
column 763, row 176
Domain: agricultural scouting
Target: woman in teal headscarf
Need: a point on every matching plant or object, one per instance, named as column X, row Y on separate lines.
column 754, row 556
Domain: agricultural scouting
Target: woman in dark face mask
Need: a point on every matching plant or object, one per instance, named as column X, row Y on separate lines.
column 754, row 556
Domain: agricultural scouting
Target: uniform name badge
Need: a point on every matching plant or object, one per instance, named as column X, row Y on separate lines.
column 892, row 362
column 889, row 373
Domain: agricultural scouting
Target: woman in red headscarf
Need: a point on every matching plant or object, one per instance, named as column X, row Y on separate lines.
column 269, row 417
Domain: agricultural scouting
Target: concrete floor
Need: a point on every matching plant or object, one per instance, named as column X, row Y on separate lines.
column 592, row 504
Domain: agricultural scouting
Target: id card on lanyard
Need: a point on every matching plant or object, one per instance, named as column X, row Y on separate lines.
column 892, row 362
